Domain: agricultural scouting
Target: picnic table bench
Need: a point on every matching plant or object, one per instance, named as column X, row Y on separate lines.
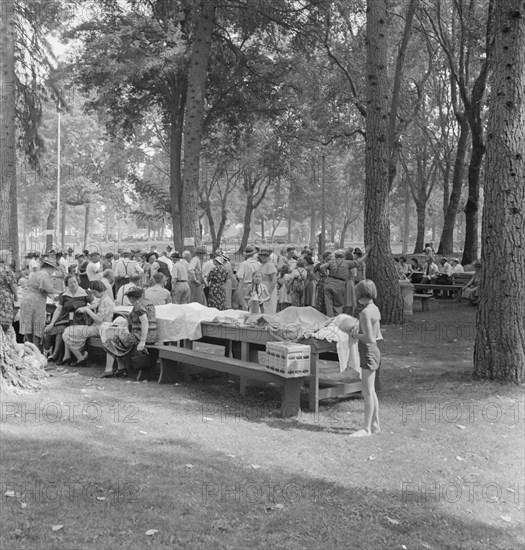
column 454, row 288
column 172, row 357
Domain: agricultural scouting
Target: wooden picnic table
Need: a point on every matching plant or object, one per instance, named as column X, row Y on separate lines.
column 247, row 341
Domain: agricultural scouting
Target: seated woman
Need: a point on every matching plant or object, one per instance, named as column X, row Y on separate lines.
column 405, row 267
column 471, row 289
column 399, row 269
column 142, row 330
column 75, row 337
column 65, row 314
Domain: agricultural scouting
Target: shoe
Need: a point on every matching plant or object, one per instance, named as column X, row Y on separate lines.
column 122, row 373
column 82, row 363
column 106, row 375
column 68, row 361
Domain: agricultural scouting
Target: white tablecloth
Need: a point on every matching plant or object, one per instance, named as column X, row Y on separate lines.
column 183, row 321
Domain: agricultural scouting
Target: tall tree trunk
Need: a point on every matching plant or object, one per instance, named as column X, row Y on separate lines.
column 211, row 224
column 406, row 217
column 323, row 198
column 194, row 116
column 499, row 350
column 470, row 250
column 421, row 213
column 176, row 125
column 8, row 198
column 313, row 225
column 248, row 211
column 86, row 225
column 446, row 245
column 380, row 265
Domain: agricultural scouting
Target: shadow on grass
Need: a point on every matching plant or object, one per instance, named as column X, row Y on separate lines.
column 110, row 496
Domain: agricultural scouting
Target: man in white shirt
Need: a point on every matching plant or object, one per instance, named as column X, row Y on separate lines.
column 456, row 266
column 180, row 289
column 244, row 275
column 94, row 267
column 195, row 278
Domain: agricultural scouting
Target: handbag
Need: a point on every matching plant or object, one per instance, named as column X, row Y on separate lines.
column 138, row 360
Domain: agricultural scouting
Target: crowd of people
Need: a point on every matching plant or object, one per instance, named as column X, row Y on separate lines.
column 86, row 287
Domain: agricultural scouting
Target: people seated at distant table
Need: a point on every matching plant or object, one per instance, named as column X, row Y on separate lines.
column 471, row 289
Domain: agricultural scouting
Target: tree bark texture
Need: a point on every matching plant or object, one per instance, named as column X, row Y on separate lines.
column 470, row 250
column 176, row 125
column 8, row 202
column 446, row 245
column 194, row 116
column 380, row 265
column 499, row 351
column 86, row 224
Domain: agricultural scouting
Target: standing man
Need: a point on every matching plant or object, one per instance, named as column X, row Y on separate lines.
column 125, row 267
column 244, row 275
column 180, row 288
column 195, row 278
column 94, row 268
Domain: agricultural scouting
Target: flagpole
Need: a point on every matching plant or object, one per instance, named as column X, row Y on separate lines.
column 58, row 178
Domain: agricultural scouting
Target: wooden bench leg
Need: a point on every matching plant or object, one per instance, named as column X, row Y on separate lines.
column 291, row 397
column 169, row 372
column 313, row 385
column 243, row 385
column 424, row 304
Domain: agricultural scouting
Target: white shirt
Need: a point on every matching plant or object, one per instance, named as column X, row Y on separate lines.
column 458, row 268
column 94, row 271
column 247, row 269
column 167, row 261
column 446, row 268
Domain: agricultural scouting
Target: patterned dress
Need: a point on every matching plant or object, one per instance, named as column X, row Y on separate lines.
column 76, row 336
column 124, row 343
column 33, row 306
column 7, row 278
column 216, row 280
column 269, row 274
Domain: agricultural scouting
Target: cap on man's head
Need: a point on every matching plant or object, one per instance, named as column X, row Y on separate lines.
column 201, row 250
column 176, row 255
column 265, row 251
column 455, row 260
column 249, row 250
column 289, row 248
column 340, row 253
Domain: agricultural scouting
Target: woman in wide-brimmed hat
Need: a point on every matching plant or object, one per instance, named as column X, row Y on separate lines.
column 33, row 306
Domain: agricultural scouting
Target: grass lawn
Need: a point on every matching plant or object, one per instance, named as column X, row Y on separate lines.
column 89, row 463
